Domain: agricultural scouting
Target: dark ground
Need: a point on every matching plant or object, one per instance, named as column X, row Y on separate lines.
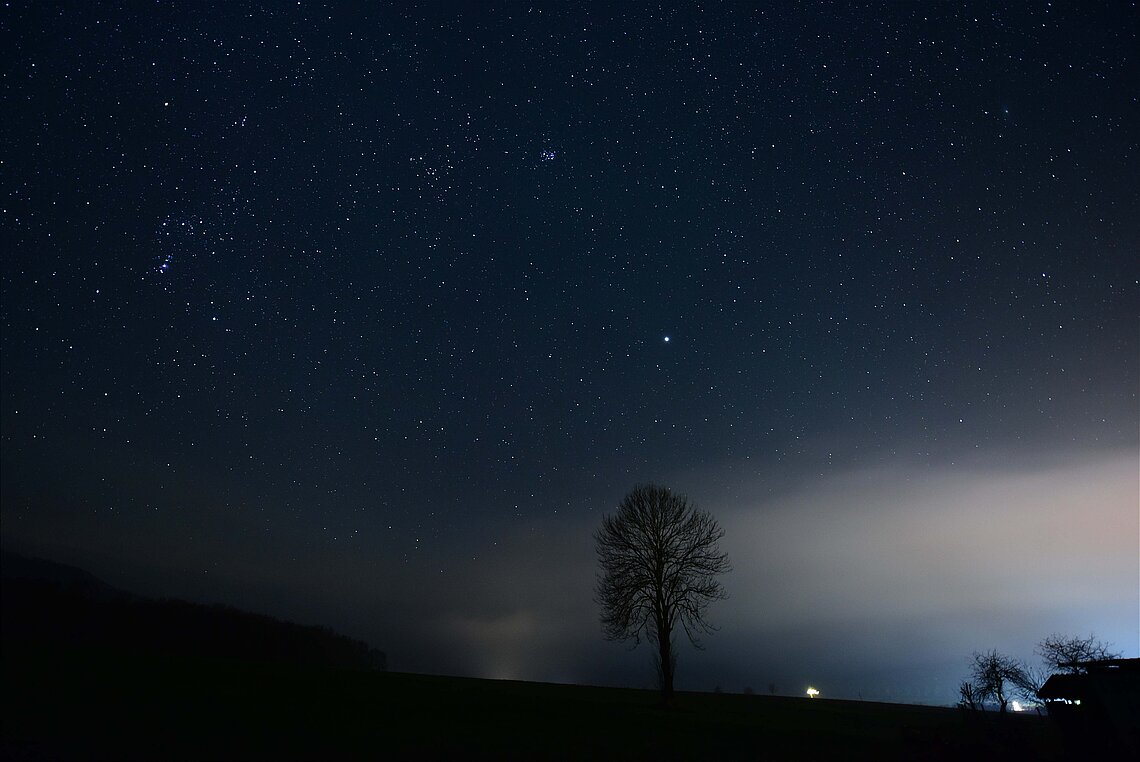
column 92, row 672
column 85, row 705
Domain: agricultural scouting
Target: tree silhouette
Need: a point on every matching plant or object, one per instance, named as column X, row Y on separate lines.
column 968, row 696
column 996, row 677
column 1063, row 653
column 659, row 558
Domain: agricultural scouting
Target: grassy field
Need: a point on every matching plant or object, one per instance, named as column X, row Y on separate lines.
column 81, row 705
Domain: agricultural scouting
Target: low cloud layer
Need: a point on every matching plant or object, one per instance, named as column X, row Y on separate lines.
column 873, row 583
column 882, row 572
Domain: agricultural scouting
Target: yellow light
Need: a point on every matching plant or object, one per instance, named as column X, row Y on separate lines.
column 812, row 692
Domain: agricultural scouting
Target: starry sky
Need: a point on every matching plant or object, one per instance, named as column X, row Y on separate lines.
column 364, row 314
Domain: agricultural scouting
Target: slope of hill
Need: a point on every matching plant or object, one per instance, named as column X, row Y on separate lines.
column 49, row 604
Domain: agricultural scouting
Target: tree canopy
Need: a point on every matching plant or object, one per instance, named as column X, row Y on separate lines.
column 1065, row 653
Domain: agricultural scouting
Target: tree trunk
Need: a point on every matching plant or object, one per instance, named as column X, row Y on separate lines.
column 665, row 654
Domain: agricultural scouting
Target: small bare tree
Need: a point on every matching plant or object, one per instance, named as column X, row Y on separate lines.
column 997, row 677
column 1062, row 653
column 968, row 696
column 660, row 559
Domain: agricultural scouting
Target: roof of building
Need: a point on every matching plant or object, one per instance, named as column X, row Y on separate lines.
column 1097, row 676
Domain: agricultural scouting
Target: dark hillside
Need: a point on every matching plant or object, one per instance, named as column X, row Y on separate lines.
column 49, row 604
column 71, row 580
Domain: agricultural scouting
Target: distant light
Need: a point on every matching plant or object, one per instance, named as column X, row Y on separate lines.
column 666, row 339
column 812, row 692
column 1017, row 707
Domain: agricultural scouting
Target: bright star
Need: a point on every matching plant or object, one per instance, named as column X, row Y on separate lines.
column 666, row 339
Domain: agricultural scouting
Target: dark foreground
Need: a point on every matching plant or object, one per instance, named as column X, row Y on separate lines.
column 87, row 705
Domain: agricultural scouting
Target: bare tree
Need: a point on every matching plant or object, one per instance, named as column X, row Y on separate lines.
column 1028, row 682
column 1062, row 653
column 660, row 558
column 968, row 696
column 997, row 677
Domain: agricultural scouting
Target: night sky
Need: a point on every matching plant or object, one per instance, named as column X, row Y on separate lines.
column 363, row 315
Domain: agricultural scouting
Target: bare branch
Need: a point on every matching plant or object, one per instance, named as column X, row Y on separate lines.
column 1063, row 653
